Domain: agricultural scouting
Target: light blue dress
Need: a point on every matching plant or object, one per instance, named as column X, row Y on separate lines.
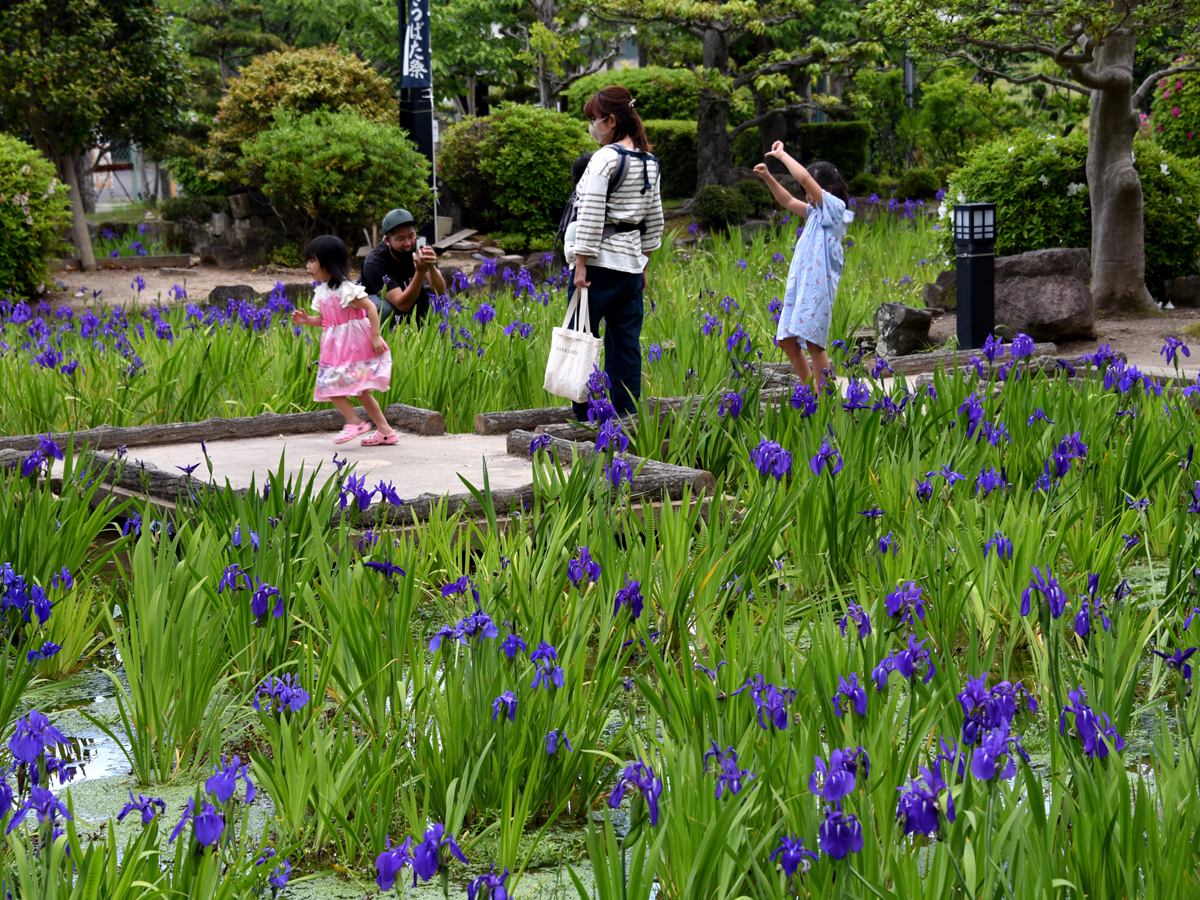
column 814, row 274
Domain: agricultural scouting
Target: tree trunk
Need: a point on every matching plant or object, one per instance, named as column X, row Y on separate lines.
column 714, row 151
column 1118, row 230
column 87, row 184
column 79, row 229
column 775, row 128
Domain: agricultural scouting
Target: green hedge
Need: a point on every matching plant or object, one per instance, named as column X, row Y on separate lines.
column 660, row 93
column 675, row 146
column 845, row 144
column 1175, row 114
column 34, row 211
column 512, row 169
column 1039, row 186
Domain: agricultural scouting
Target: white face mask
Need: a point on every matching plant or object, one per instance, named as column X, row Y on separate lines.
column 596, row 133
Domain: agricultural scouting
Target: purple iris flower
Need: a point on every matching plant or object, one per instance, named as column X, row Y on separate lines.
column 617, row 471
column 630, row 596
column 611, row 435
column 994, row 432
column 904, row 601
column 553, row 739
column 654, row 353
column 770, row 701
column 731, row 403
column 837, row 780
column 47, row 650
column 427, row 855
column 985, row 710
column 873, row 513
column 918, row 805
column 924, row 490
column 505, row 704
column 388, row 493
column 1002, row 545
column 771, row 459
column 1172, row 347
column 489, row 886
column 460, row 586
column 31, row 736
column 638, row 779
column 859, row 616
column 283, row 694
column 583, row 567
column 547, row 670
column 1046, row 585
column 260, row 600
column 279, row 878
column 858, row 396
column 804, row 399
column 1039, row 415
column 390, row 862
column 1131, row 540
column 990, row 480
column 541, row 442
column 993, row 348
column 43, row 803
column 387, row 568
column 1178, row 660
column 840, row 834
column 853, row 693
column 208, row 825
column 905, row 662
column 223, row 784
column 144, row 805
column 947, row 473
column 729, row 776
column 993, row 758
column 887, row 544
column 973, row 408
column 826, row 456
column 792, row 855
column 711, row 673
column 1022, row 346
column 512, row 645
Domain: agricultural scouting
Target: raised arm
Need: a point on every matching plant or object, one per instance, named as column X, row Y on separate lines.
column 782, row 196
column 799, row 173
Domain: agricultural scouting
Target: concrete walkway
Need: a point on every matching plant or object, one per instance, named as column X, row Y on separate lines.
column 415, row 466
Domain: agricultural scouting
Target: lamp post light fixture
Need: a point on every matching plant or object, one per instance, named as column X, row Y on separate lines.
column 975, row 288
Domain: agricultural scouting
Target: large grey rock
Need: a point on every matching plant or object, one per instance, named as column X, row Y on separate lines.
column 239, row 205
column 1045, row 294
column 240, row 292
column 187, row 235
column 1183, row 291
column 243, row 247
column 940, row 294
column 901, row 330
column 299, row 293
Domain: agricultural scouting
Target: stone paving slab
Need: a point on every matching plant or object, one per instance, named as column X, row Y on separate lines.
column 416, row 465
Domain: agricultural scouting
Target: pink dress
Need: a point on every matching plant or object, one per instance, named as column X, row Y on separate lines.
column 348, row 363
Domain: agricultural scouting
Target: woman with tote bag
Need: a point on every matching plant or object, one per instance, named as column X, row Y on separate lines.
column 620, row 222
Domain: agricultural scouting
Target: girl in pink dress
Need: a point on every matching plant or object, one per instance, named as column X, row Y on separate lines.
column 355, row 359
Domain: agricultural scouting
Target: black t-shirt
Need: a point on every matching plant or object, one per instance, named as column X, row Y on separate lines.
column 383, row 271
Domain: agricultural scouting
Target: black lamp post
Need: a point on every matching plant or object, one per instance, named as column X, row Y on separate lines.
column 975, row 288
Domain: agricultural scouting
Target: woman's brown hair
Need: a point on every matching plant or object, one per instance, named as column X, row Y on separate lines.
column 617, row 102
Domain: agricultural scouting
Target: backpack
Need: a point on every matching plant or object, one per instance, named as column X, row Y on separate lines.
column 615, row 180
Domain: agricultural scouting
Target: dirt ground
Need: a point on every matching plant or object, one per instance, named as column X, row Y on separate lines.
column 198, row 281
column 1139, row 337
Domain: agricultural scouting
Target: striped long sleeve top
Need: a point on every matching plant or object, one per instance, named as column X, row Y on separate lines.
column 624, row 251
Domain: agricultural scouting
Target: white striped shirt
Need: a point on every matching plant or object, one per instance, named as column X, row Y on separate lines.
column 624, row 251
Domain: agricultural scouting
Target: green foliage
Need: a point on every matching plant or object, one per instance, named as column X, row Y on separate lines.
column 864, row 184
column 957, row 113
column 718, row 206
column 199, row 208
column 513, row 242
column 845, row 144
column 659, row 93
column 336, row 171
column 918, row 184
column 747, row 149
column 513, row 168
column 757, row 195
column 675, row 146
column 289, row 256
column 185, row 170
column 1040, row 187
column 34, row 210
column 300, row 82
column 541, row 243
column 1175, row 114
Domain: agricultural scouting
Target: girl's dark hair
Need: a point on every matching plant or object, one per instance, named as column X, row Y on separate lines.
column 330, row 252
column 617, row 102
column 579, row 167
column 826, row 174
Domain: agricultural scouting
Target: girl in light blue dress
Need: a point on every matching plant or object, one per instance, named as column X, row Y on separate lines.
column 817, row 263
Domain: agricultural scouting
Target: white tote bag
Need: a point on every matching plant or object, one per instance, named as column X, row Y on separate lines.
column 574, row 353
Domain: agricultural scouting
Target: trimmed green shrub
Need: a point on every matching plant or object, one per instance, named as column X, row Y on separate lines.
column 199, row 208
column 660, row 93
column 512, row 169
column 918, row 184
column 864, row 184
column 336, row 172
column 1039, row 186
column 541, row 244
column 300, row 81
column 290, row 256
column 1175, row 114
column 720, row 207
column 513, row 242
column 34, row 211
column 758, row 195
column 675, row 146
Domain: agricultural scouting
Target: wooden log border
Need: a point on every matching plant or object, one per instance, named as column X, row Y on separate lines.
column 407, row 418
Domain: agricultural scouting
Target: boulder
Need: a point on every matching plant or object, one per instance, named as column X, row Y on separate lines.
column 940, row 294
column 187, row 235
column 242, row 248
column 241, row 292
column 239, row 205
column 901, row 330
column 1045, row 294
column 1183, row 291
column 299, row 293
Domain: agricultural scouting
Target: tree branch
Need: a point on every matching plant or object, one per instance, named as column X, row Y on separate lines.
column 786, row 65
column 778, row 111
column 1148, row 84
column 1012, row 79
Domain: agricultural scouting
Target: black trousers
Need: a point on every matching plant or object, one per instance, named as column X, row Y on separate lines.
column 616, row 299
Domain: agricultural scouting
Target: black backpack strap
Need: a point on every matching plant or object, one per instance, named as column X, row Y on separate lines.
column 618, row 176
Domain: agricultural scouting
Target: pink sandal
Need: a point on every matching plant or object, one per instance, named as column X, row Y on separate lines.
column 374, row 440
column 350, row 432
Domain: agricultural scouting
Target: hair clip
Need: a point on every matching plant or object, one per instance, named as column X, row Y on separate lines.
column 632, row 101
